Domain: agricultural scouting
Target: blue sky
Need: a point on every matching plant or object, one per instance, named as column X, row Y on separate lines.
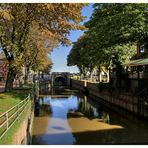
column 59, row 55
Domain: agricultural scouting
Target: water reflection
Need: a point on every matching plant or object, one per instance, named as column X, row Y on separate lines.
column 88, row 110
column 58, row 130
column 76, row 119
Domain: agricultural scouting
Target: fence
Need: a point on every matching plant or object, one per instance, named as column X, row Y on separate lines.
column 8, row 118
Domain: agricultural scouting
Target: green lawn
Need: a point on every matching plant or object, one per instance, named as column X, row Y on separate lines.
column 8, row 137
column 9, row 99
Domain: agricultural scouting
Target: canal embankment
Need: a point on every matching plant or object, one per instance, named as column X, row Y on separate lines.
column 24, row 132
column 115, row 97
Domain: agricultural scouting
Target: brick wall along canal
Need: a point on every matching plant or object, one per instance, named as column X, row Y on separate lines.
column 71, row 118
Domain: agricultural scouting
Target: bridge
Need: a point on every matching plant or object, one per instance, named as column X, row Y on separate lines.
column 55, row 79
column 60, row 79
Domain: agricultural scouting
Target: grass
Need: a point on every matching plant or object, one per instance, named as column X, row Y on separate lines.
column 8, row 137
column 29, row 86
column 75, row 77
column 9, row 99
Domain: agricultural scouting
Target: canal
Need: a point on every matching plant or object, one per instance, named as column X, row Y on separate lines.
column 68, row 118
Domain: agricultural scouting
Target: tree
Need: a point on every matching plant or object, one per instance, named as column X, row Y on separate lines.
column 114, row 31
column 17, row 22
column 119, row 28
column 86, row 55
column 36, row 56
column 82, row 56
column 115, row 24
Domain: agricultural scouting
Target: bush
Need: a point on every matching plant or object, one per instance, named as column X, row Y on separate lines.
column 103, row 86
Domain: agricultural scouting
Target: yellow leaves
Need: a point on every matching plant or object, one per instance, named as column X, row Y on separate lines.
column 5, row 15
column 43, row 42
column 46, row 33
column 38, row 28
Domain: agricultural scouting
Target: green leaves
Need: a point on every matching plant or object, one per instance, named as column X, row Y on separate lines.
column 113, row 31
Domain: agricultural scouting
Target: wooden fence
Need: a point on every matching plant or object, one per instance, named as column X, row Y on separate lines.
column 8, row 118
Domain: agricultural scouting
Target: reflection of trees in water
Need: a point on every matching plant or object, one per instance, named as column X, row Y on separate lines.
column 85, row 108
column 45, row 110
column 103, row 115
column 80, row 106
column 90, row 111
column 43, row 107
column 41, row 100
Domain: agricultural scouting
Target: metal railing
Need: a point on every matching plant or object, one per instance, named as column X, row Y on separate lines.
column 8, row 118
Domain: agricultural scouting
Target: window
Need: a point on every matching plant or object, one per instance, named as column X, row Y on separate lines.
column 142, row 49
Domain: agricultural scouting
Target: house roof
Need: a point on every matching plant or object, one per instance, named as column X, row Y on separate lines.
column 137, row 62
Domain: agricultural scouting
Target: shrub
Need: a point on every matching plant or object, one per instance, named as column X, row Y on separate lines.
column 105, row 86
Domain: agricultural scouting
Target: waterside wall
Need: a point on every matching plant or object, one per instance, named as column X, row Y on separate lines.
column 117, row 98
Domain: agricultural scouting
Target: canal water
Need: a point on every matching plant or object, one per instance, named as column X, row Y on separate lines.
column 69, row 118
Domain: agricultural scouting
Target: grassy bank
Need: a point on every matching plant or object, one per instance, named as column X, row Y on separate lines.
column 9, row 136
column 9, row 99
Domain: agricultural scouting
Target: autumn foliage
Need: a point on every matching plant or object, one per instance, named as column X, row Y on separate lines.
column 29, row 32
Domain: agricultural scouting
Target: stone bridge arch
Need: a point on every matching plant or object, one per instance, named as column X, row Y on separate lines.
column 60, row 79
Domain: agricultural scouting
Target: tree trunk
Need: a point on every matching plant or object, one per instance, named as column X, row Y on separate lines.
column 100, row 76
column 108, row 76
column 90, row 77
column 10, row 78
column 26, row 75
column 99, row 73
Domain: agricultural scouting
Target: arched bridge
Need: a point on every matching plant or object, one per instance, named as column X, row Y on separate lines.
column 60, row 79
